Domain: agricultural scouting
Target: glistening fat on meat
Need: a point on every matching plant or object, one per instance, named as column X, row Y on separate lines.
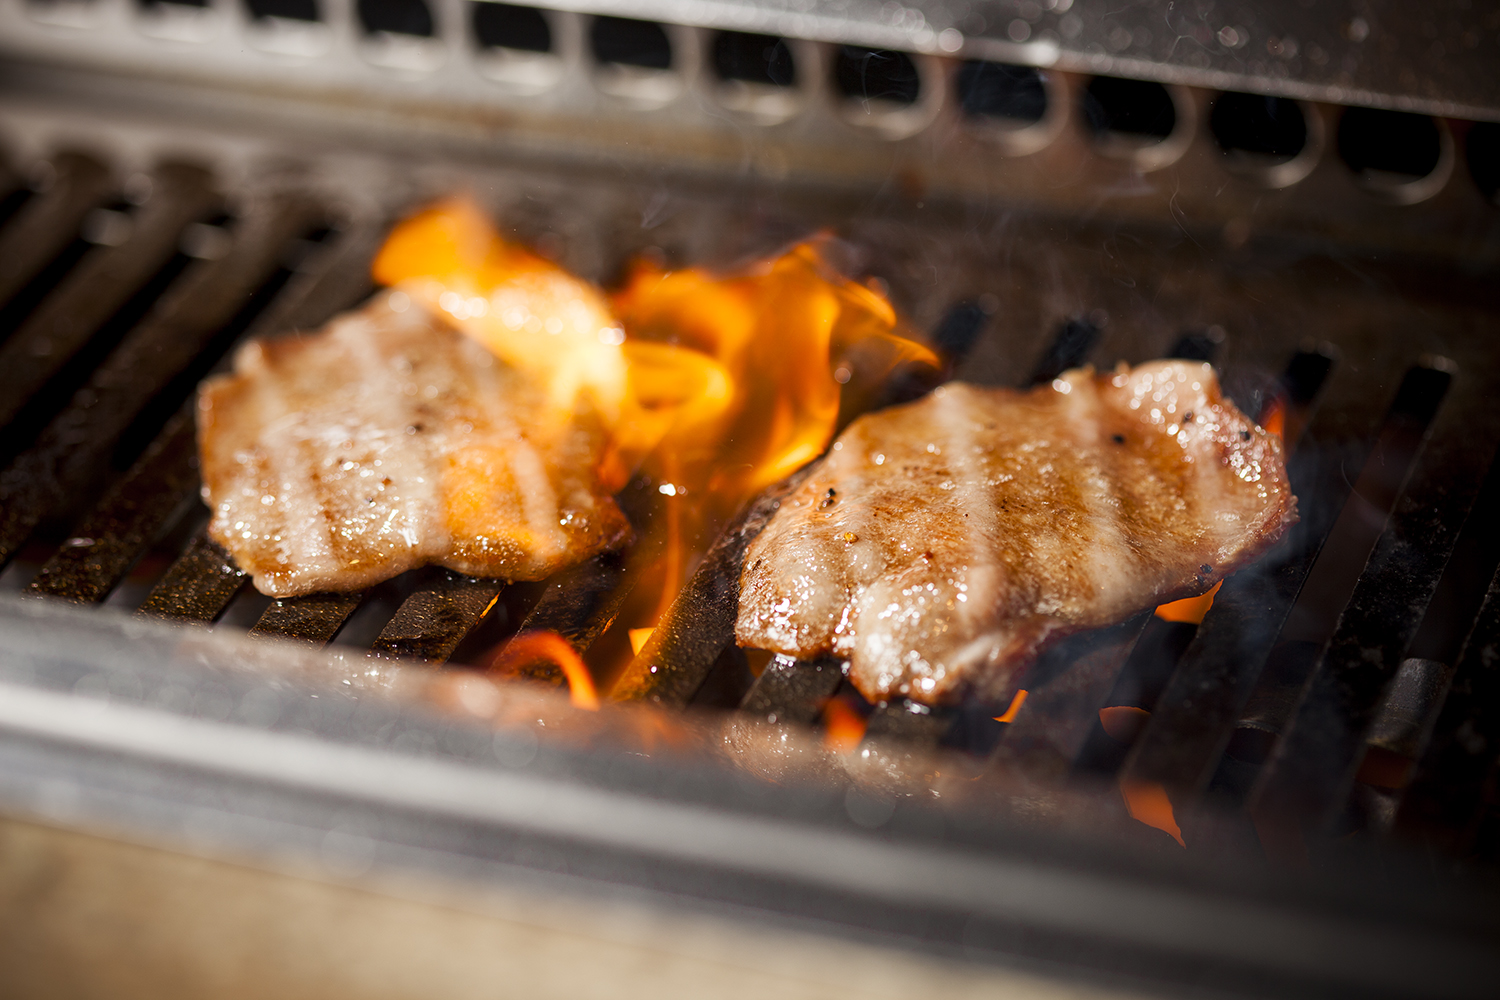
column 943, row 543
column 386, row 441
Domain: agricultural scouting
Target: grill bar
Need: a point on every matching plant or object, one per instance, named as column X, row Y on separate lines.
column 580, row 604
column 107, row 542
column 1309, row 776
column 45, row 227
column 433, row 620
column 909, row 722
column 674, row 662
column 198, row 586
column 792, row 690
column 102, row 285
column 313, row 619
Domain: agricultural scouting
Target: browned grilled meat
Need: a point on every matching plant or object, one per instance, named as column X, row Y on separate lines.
column 387, row 441
column 941, row 544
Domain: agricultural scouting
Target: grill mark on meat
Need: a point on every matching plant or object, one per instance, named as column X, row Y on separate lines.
column 387, row 441
column 990, row 522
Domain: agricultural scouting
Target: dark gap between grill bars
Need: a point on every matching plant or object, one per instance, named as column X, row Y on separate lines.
column 1307, row 780
column 1345, row 556
column 73, row 453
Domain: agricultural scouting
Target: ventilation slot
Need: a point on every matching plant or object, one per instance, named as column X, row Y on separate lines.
column 1484, row 158
column 759, row 59
column 635, row 61
column 396, row 17
column 882, row 90
column 399, row 36
column 286, row 10
column 1138, row 109
column 515, row 47
column 621, row 41
column 1013, row 94
column 876, row 76
column 757, row 75
column 1269, row 127
column 1402, row 157
column 504, row 26
column 1136, row 120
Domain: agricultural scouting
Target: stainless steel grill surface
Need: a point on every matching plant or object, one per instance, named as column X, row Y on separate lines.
column 1297, row 796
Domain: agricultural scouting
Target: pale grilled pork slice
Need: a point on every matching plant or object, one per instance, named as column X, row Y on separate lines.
column 387, row 441
column 941, row 544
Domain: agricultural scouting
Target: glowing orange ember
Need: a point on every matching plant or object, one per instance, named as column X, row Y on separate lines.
column 529, row 647
column 1015, row 707
column 1189, row 610
column 1148, row 803
column 843, row 727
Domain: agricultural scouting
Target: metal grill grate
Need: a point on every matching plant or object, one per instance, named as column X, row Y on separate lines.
column 1340, row 693
column 1267, row 706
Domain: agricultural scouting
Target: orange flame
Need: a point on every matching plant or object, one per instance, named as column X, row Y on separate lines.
column 1147, row 803
column 1189, row 610
column 556, row 327
column 530, row 647
column 1273, row 416
column 774, row 328
column 843, row 727
column 638, row 638
column 1009, row 715
column 715, row 386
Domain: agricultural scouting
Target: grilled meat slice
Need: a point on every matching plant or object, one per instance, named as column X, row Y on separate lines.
column 943, row 543
column 387, row 441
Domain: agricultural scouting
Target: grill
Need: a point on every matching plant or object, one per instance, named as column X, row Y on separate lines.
column 1037, row 192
